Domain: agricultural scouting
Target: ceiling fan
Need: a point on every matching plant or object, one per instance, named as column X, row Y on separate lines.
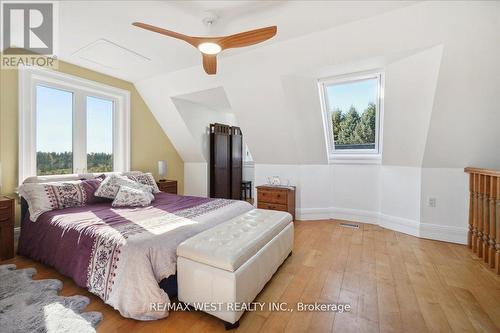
column 211, row 46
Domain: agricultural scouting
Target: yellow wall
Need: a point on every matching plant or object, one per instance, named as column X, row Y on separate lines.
column 149, row 144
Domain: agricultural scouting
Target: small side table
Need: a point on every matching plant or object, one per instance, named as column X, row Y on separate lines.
column 7, row 218
column 276, row 198
column 167, row 186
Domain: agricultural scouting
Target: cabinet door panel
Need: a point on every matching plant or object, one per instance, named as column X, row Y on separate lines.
column 220, row 163
column 236, row 162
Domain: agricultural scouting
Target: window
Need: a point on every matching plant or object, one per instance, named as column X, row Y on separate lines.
column 54, row 138
column 70, row 125
column 352, row 108
column 99, row 134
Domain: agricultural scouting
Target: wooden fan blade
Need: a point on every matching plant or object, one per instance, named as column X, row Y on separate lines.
column 247, row 38
column 166, row 32
column 210, row 63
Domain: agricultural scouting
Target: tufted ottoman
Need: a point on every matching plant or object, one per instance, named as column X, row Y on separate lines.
column 222, row 268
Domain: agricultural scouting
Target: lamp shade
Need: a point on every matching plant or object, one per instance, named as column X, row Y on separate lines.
column 162, row 169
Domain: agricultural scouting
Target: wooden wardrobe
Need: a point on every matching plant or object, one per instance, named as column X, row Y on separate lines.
column 226, row 161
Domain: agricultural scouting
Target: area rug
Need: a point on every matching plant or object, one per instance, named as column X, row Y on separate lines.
column 28, row 305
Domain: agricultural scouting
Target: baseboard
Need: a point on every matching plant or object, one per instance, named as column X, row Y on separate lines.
column 407, row 226
column 444, row 233
column 307, row 214
column 363, row 216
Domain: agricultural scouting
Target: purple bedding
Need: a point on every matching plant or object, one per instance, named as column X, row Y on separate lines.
column 121, row 254
column 63, row 239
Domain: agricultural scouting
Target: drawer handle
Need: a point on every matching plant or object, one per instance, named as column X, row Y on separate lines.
column 4, row 219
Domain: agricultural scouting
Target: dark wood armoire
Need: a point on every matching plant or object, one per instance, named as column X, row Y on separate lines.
column 226, row 161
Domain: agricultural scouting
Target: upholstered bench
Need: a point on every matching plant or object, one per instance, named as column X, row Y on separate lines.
column 228, row 265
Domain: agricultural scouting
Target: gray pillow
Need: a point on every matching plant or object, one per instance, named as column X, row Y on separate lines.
column 111, row 185
column 145, row 179
column 132, row 197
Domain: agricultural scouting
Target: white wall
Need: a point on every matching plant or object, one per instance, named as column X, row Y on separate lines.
column 410, row 85
column 400, row 198
column 450, row 188
column 394, row 197
column 249, row 172
column 196, row 179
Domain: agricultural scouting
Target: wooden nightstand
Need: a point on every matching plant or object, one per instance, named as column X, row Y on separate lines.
column 6, row 228
column 276, row 198
column 168, row 186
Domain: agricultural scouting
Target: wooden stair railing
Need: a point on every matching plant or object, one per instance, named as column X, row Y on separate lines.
column 484, row 215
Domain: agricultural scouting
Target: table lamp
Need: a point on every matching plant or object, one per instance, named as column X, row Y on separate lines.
column 162, row 170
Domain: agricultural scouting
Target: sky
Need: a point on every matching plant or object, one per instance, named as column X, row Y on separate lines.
column 358, row 93
column 55, row 119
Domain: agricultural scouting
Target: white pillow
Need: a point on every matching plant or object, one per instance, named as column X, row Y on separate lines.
column 132, row 197
column 111, row 185
column 145, row 179
column 44, row 197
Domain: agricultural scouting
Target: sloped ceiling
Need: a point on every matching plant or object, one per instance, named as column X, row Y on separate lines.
column 197, row 116
column 82, row 23
column 441, row 72
column 410, row 90
column 214, row 98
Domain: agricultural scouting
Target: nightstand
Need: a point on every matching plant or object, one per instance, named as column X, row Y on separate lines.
column 6, row 228
column 168, row 186
column 276, row 198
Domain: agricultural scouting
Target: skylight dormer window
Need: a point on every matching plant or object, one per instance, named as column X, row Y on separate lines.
column 352, row 111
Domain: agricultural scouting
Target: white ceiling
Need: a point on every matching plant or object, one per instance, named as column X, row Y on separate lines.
column 214, row 98
column 225, row 11
column 84, row 25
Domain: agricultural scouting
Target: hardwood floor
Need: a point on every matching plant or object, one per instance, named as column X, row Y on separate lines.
column 393, row 282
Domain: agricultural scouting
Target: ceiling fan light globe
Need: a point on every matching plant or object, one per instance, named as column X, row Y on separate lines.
column 209, row 48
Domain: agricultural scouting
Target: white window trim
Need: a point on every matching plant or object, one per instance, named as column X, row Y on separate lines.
column 30, row 77
column 353, row 156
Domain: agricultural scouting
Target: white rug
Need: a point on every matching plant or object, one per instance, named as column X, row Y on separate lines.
column 28, row 305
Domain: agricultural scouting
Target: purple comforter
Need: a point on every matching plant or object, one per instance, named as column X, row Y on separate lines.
column 67, row 248
column 99, row 247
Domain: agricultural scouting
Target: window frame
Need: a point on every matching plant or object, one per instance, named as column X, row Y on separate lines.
column 30, row 78
column 363, row 156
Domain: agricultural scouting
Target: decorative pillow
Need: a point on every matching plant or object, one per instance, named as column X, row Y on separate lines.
column 111, row 185
column 132, row 197
column 90, row 186
column 145, row 179
column 44, row 197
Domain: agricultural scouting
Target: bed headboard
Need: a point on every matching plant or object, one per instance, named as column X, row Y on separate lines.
column 63, row 178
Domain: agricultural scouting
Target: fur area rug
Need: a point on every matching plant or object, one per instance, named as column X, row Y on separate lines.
column 28, row 305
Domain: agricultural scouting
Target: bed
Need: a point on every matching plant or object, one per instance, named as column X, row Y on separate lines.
column 123, row 254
